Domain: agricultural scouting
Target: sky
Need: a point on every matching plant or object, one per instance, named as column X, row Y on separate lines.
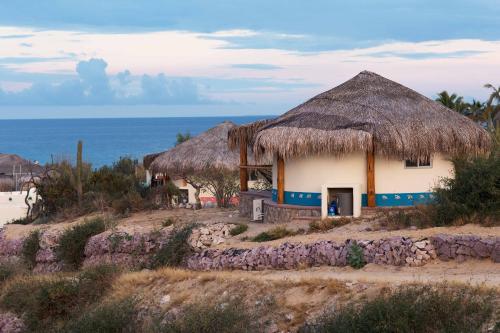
column 113, row 58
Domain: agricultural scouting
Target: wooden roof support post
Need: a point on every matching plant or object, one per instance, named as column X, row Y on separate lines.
column 370, row 177
column 281, row 180
column 243, row 164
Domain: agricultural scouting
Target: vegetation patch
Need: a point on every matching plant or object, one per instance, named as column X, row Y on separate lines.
column 111, row 317
column 473, row 195
column 328, row 224
column 272, row 234
column 226, row 317
column 168, row 222
column 355, row 257
column 239, row 229
column 43, row 301
column 412, row 309
column 176, row 250
column 72, row 242
column 30, row 248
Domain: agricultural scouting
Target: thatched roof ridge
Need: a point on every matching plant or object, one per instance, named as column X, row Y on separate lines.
column 207, row 150
column 148, row 159
column 370, row 110
column 246, row 131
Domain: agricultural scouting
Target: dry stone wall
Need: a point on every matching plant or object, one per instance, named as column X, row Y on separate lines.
column 398, row 251
column 132, row 251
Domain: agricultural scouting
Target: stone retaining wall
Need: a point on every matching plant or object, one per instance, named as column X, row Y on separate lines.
column 274, row 213
column 463, row 247
column 133, row 251
column 398, row 251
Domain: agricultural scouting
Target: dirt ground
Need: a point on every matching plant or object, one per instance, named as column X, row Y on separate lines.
column 297, row 295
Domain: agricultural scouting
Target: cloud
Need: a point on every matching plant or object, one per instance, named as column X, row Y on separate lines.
column 94, row 87
column 425, row 55
column 257, row 66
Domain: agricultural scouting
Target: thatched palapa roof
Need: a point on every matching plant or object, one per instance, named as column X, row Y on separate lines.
column 368, row 111
column 205, row 151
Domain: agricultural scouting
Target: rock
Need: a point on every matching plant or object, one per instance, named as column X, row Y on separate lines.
column 421, row 245
column 10, row 323
column 289, row 317
column 165, row 299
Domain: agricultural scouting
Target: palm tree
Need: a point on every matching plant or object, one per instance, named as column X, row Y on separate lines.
column 476, row 110
column 495, row 95
column 447, row 100
column 453, row 102
column 492, row 110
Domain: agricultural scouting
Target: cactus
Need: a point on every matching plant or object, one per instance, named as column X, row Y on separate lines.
column 79, row 172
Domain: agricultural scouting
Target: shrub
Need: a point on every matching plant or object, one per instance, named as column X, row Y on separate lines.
column 174, row 252
column 327, row 224
column 30, row 248
column 168, row 222
column 473, row 194
column 21, row 220
column 116, row 316
column 239, row 229
column 72, row 242
column 6, row 271
column 275, row 233
column 355, row 257
column 43, row 301
column 212, row 318
column 412, row 309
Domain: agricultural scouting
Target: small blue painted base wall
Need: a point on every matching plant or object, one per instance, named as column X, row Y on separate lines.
column 381, row 200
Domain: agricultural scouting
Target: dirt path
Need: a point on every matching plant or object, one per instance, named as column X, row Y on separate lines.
column 475, row 272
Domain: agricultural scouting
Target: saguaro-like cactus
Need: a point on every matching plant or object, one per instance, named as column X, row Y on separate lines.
column 79, row 172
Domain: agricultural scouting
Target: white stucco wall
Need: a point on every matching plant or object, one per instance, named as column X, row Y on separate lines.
column 309, row 174
column 12, row 205
column 391, row 176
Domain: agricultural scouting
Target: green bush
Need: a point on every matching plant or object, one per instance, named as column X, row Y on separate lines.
column 239, row 229
column 30, row 248
column 112, row 317
column 355, row 257
column 44, row 301
column 473, row 195
column 72, row 242
column 415, row 309
column 175, row 251
column 227, row 317
column 276, row 233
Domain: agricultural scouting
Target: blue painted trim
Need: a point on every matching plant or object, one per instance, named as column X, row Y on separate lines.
column 381, row 200
column 399, row 199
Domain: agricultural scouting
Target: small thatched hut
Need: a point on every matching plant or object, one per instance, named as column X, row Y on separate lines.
column 367, row 142
column 208, row 150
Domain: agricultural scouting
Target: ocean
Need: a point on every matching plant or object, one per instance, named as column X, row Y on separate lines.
column 104, row 140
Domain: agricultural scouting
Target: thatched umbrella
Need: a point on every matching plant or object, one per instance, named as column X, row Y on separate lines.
column 367, row 112
column 209, row 150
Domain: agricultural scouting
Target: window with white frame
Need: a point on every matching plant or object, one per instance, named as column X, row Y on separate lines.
column 418, row 163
